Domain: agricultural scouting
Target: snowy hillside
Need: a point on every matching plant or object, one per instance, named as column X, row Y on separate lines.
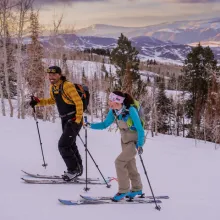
column 176, row 167
column 77, row 66
column 149, row 47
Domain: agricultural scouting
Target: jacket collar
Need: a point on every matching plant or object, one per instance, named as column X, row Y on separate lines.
column 57, row 84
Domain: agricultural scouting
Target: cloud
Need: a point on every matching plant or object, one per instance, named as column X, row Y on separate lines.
column 50, row 2
column 196, row 1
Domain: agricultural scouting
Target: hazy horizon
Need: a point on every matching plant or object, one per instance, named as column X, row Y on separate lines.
column 158, row 23
column 128, row 13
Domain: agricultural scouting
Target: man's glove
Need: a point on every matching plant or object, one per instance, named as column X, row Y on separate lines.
column 34, row 101
column 140, row 150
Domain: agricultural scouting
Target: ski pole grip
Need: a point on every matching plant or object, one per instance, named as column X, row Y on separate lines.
column 85, row 119
column 32, row 99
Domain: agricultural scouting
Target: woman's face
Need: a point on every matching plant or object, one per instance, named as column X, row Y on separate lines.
column 114, row 105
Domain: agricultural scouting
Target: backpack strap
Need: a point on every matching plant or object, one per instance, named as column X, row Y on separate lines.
column 129, row 120
column 80, row 90
column 64, row 94
column 116, row 118
column 61, row 91
column 124, row 114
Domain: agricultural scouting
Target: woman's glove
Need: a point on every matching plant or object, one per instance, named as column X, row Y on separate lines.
column 140, row 150
column 87, row 124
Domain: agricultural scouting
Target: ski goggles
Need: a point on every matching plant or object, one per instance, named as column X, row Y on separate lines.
column 116, row 98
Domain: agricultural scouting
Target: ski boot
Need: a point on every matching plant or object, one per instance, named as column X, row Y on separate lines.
column 132, row 194
column 119, row 196
column 70, row 175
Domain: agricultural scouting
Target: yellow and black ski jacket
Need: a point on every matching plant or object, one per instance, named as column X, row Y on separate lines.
column 67, row 101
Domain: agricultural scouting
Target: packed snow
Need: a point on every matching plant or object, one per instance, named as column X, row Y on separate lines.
column 185, row 170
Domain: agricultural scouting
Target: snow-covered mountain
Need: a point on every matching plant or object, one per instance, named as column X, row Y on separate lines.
column 148, row 47
column 152, row 48
column 182, row 32
column 165, row 42
column 75, row 41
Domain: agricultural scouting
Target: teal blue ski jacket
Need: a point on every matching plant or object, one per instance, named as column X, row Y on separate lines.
column 133, row 114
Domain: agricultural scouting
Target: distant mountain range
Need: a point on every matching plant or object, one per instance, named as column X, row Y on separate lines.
column 182, row 32
column 167, row 42
column 148, row 47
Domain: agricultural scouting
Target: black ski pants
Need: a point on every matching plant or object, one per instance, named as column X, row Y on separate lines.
column 67, row 145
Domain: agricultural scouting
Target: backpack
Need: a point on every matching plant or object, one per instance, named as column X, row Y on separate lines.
column 140, row 114
column 83, row 92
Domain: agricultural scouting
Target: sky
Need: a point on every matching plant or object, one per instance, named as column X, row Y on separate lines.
column 129, row 13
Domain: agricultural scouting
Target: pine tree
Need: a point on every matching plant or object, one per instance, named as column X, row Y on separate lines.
column 125, row 59
column 148, row 81
column 172, row 82
column 197, row 79
column 108, row 87
column 127, row 84
column 163, row 108
column 36, row 75
column 211, row 119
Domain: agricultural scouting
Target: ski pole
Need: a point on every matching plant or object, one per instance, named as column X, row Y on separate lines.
column 86, row 150
column 157, row 206
column 35, row 118
column 107, row 185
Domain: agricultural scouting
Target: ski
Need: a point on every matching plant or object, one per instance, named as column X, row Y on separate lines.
column 138, row 197
column 57, row 177
column 60, row 181
column 101, row 202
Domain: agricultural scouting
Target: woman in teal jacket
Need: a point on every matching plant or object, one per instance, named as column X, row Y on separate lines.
column 123, row 111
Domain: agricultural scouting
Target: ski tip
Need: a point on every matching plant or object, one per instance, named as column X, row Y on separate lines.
column 25, row 172
column 83, row 196
column 24, row 180
column 62, row 201
column 67, row 202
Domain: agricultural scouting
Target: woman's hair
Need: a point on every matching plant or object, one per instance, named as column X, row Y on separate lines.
column 128, row 98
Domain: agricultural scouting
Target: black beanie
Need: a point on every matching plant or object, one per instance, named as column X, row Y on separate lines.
column 54, row 69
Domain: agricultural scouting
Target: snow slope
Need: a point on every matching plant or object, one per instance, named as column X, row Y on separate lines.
column 76, row 67
column 189, row 174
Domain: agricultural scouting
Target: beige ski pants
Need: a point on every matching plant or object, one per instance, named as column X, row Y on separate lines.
column 125, row 163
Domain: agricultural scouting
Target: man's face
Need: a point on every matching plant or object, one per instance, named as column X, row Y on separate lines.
column 54, row 78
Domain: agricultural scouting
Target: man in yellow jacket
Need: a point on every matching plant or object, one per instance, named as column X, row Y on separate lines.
column 70, row 107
